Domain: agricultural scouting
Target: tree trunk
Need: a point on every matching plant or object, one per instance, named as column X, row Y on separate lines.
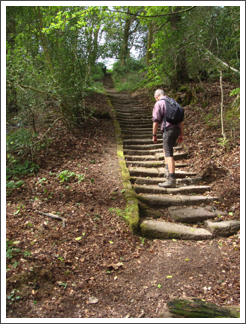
column 222, row 105
column 149, row 43
column 182, row 71
column 95, row 47
column 11, row 98
column 125, row 50
column 44, row 40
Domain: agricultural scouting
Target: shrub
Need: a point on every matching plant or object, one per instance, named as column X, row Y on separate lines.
column 131, row 65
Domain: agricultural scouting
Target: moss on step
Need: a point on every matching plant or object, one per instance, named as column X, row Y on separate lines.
column 172, row 235
column 198, row 308
column 132, row 211
column 145, row 211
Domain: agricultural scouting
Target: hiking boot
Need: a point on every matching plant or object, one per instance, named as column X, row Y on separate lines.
column 170, row 183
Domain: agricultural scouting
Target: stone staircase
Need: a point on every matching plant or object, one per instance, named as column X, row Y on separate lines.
column 164, row 213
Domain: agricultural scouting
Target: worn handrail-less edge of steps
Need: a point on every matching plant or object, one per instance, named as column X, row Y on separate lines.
column 132, row 209
column 136, row 196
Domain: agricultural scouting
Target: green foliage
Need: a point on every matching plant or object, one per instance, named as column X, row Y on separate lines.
column 131, row 65
column 14, row 296
column 11, row 250
column 67, row 175
column 235, row 92
column 19, row 141
column 224, row 143
column 51, row 52
column 97, row 71
column 130, row 76
column 10, row 185
column 15, row 168
column 122, row 213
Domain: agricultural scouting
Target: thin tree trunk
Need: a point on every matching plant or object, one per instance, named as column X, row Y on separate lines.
column 44, row 40
column 149, row 43
column 222, row 104
column 11, row 98
column 125, row 49
column 182, row 71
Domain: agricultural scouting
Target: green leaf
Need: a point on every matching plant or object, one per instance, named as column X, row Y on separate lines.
column 159, row 286
column 187, row 259
column 78, row 238
column 169, row 276
column 111, row 242
column 231, row 214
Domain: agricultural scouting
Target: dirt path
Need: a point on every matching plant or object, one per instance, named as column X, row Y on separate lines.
column 95, row 267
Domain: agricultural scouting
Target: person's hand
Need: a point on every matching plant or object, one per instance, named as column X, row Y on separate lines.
column 154, row 139
column 180, row 138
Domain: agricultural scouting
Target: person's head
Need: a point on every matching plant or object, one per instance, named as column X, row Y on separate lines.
column 158, row 94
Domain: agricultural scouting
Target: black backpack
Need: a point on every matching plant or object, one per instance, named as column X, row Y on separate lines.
column 174, row 112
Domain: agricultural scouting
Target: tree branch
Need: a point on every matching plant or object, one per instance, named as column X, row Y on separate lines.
column 53, row 216
column 167, row 14
column 223, row 63
column 37, row 90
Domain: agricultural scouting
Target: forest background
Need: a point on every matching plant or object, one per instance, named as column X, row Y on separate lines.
column 55, row 57
column 54, row 51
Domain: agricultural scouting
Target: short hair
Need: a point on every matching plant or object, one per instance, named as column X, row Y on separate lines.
column 159, row 92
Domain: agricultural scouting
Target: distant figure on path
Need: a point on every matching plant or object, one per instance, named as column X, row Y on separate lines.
column 173, row 133
column 104, row 70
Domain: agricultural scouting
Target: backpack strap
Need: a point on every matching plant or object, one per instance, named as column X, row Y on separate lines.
column 165, row 129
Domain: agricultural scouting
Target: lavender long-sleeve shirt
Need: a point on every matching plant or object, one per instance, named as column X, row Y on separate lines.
column 158, row 114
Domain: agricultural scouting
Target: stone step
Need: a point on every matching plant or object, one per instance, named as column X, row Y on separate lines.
column 135, row 122
column 165, row 230
column 152, row 189
column 145, row 164
column 134, row 114
column 127, row 121
column 138, row 141
column 140, row 158
column 131, row 116
column 139, row 121
column 192, row 214
column 158, row 172
column 166, row 200
column 149, row 152
column 143, row 147
column 132, row 110
column 136, row 125
column 151, row 164
column 224, row 228
column 139, row 128
column 143, row 131
column 139, row 136
column 177, row 156
column 156, row 157
column 155, row 181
